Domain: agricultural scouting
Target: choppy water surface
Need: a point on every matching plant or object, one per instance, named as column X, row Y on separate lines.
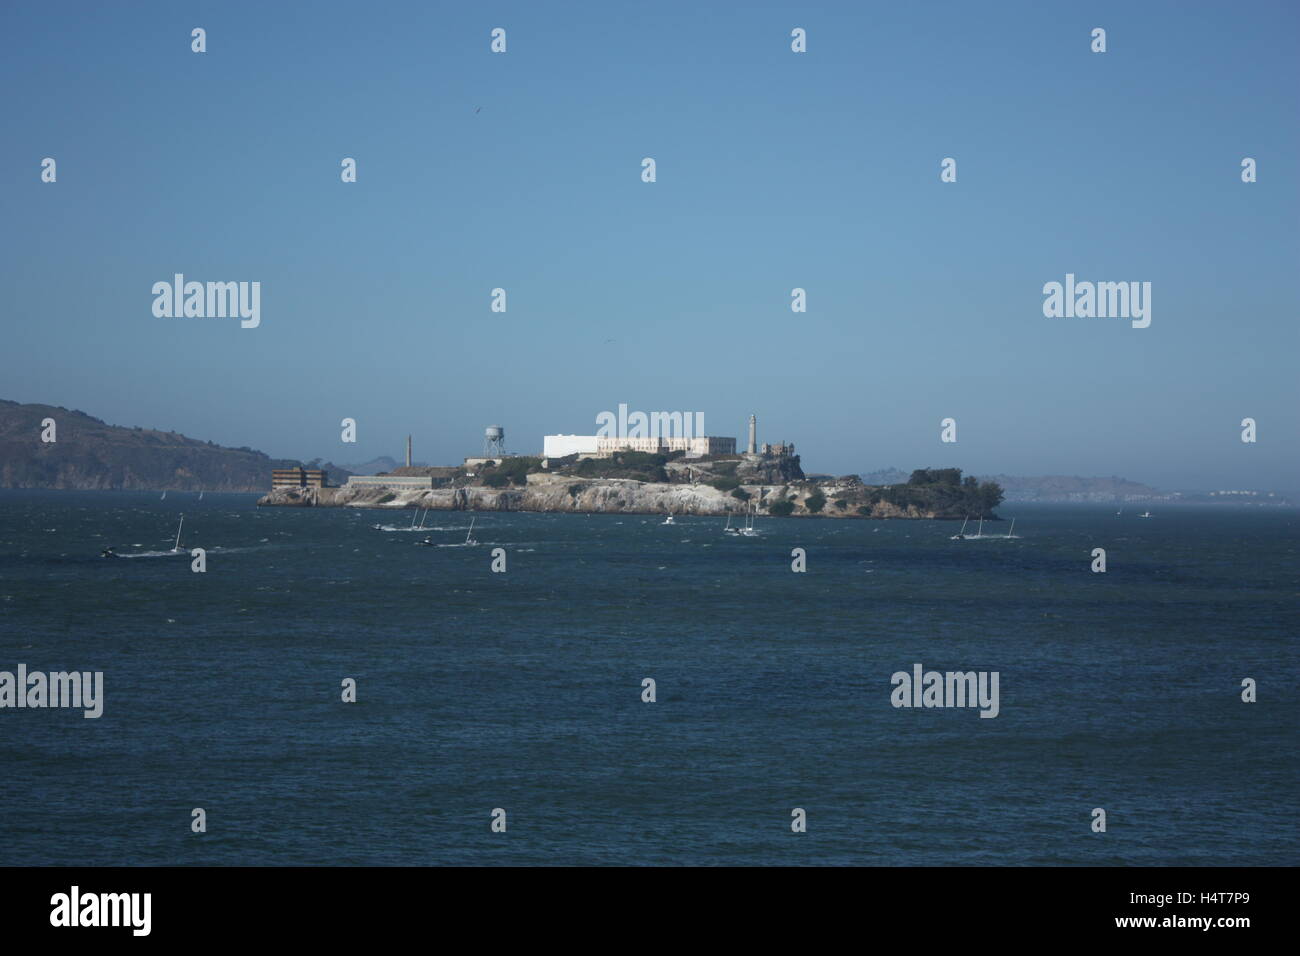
column 522, row 690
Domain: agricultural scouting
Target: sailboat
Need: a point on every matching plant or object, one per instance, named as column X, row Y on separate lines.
column 469, row 541
column 427, row 542
column 423, row 513
column 1145, row 514
column 961, row 535
column 728, row 529
column 748, row 531
column 667, row 520
column 979, row 534
column 164, row 496
column 200, row 496
column 1120, row 512
column 111, row 552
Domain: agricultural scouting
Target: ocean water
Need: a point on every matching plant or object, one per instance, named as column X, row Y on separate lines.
column 522, row 690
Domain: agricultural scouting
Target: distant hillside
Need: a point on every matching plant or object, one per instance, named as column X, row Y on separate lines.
column 375, row 466
column 1046, row 487
column 885, row 476
column 383, row 465
column 90, row 454
column 1071, row 488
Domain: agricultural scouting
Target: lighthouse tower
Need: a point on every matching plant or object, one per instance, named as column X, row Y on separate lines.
column 752, row 448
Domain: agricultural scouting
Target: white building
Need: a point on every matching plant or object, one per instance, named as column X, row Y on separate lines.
column 559, row 446
column 397, row 482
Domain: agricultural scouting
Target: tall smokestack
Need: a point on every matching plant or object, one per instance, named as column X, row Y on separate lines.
column 408, row 451
column 753, row 436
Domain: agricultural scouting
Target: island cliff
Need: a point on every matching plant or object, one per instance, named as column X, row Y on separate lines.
column 834, row 498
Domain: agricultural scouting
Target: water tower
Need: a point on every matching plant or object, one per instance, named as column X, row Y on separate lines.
column 494, row 442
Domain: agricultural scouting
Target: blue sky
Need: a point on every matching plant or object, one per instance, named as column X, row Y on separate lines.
column 775, row 170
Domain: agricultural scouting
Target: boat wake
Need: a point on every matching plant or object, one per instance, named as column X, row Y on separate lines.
column 185, row 552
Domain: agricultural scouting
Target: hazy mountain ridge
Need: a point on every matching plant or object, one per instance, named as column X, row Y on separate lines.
column 90, row 454
column 1047, row 487
column 1074, row 488
column 375, row 466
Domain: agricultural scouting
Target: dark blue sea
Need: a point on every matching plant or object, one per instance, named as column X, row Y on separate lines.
column 522, row 690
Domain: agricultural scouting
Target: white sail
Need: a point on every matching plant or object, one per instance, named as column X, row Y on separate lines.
column 979, row 534
column 748, row 531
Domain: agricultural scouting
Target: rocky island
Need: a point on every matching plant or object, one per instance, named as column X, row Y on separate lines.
column 48, row 446
column 642, row 483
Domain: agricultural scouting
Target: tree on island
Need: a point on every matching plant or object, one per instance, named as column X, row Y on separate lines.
column 944, row 491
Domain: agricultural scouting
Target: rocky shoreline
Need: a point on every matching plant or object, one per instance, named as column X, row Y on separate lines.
column 560, row 493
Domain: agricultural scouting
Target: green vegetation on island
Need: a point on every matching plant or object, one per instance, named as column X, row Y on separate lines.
column 943, row 490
